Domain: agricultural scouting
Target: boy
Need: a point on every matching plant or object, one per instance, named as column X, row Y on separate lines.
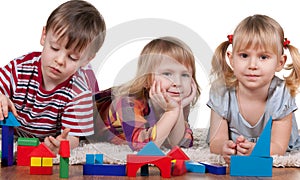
column 49, row 91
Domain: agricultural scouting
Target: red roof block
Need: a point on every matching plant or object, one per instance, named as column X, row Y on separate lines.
column 42, row 151
column 178, row 154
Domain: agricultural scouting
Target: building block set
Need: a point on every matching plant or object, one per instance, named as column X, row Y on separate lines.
column 259, row 162
column 36, row 155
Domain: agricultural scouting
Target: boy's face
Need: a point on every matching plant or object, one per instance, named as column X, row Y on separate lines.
column 58, row 63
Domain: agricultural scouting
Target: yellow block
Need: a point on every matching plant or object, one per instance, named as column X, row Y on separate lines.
column 47, row 162
column 36, row 161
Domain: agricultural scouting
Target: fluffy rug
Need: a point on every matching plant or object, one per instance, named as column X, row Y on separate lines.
column 116, row 154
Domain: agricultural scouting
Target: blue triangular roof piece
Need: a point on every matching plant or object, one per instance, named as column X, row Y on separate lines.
column 262, row 147
column 10, row 120
column 150, row 149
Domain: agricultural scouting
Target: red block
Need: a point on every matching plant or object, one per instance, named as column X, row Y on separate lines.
column 179, row 168
column 41, row 170
column 177, row 153
column 23, row 158
column 64, row 149
column 135, row 162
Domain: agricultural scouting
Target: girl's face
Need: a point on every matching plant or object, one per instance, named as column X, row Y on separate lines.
column 255, row 67
column 175, row 78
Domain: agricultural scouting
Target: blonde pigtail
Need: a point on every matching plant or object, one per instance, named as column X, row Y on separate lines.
column 220, row 69
column 293, row 80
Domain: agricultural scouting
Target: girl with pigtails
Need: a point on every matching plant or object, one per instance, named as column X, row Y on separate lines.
column 245, row 91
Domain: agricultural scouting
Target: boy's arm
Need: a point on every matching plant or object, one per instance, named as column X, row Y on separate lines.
column 281, row 132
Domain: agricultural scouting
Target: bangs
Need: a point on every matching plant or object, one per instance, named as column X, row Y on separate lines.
column 267, row 42
column 74, row 39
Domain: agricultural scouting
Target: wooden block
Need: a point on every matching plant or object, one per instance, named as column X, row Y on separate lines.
column 104, row 169
column 194, row 167
column 150, row 149
column 36, row 161
column 214, row 169
column 47, row 162
column 23, row 158
column 251, row 166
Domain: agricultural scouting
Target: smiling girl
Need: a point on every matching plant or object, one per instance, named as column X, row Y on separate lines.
column 155, row 105
column 246, row 94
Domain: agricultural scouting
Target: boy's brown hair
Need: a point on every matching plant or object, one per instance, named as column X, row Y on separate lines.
column 79, row 23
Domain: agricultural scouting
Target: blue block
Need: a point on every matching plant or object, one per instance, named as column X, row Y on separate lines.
column 90, row 159
column 214, row 169
column 7, row 158
column 150, row 149
column 262, row 146
column 104, row 169
column 99, row 159
column 10, row 120
column 194, row 167
column 251, row 166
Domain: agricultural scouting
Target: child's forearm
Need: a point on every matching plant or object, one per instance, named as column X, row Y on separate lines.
column 277, row 149
column 165, row 125
column 216, row 146
column 177, row 132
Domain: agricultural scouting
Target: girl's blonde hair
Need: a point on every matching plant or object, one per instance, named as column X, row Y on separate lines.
column 150, row 57
column 257, row 31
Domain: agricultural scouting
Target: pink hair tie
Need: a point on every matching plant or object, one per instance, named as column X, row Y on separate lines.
column 230, row 38
column 286, row 42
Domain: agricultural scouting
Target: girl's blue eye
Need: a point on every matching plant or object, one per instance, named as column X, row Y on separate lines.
column 186, row 75
column 264, row 57
column 166, row 74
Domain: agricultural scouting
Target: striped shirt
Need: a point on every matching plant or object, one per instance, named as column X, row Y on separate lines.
column 43, row 113
column 133, row 122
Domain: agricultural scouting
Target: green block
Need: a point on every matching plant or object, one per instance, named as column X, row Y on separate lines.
column 64, row 167
column 23, row 141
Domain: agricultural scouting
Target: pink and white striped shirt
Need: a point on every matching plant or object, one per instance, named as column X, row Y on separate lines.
column 43, row 113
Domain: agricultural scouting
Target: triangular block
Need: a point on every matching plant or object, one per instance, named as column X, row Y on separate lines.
column 150, row 149
column 10, row 120
column 262, row 147
column 42, row 151
column 178, row 154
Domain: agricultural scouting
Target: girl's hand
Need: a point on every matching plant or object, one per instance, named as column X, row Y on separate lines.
column 187, row 100
column 5, row 105
column 54, row 143
column 244, row 147
column 229, row 148
column 159, row 96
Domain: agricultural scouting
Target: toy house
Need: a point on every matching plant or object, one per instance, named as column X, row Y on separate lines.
column 150, row 154
column 41, row 160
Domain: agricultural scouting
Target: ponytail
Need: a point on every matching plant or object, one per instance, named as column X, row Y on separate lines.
column 221, row 72
column 293, row 79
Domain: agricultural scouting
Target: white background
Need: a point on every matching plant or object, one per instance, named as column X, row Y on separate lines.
column 21, row 24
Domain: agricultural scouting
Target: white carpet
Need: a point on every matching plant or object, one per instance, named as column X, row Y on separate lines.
column 116, row 154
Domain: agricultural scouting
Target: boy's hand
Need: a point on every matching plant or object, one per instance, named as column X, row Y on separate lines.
column 244, row 147
column 54, row 143
column 229, row 148
column 5, row 105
